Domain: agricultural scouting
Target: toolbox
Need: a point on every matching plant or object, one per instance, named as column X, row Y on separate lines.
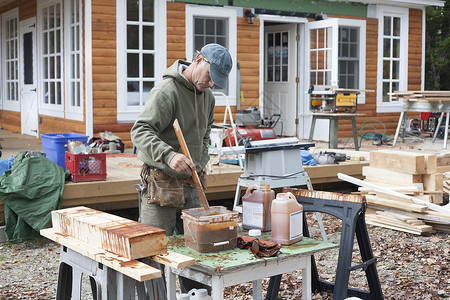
column 333, row 99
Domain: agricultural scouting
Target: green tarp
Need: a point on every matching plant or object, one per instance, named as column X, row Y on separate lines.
column 30, row 190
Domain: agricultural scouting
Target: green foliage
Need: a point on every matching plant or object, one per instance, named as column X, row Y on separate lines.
column 437, row 56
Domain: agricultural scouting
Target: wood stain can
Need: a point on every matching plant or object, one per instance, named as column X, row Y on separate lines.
column 256, row 206
column 287, row 219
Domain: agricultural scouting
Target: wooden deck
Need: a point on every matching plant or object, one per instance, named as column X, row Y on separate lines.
column 123, row 171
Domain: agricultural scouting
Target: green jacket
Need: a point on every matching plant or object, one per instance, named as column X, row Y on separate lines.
column 153, row 133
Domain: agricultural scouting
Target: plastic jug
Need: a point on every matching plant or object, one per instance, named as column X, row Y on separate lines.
column 256, row 204
column 287, row 219
column 183, row 297
column 200, row 294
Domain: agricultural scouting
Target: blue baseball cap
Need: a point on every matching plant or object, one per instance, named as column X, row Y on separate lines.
column 220, row 63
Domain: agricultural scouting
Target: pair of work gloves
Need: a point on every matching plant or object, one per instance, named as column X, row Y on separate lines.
column 258, row 247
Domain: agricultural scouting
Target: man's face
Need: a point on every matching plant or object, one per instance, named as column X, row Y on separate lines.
column 200, row 76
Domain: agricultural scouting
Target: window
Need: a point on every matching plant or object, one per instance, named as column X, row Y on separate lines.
column 209, row 24
column 141, row 53
column 392, row 56
column 277, row 57
column 73, row 60
column 338, row 54
column 10, row 61
column 348, row 57
column 51, row 91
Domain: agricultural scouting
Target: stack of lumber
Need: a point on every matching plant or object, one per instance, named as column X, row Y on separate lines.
column 410, row 190
column 423, row 96
column 114, row 241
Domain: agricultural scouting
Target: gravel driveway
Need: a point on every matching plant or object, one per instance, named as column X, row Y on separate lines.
column 409, row 267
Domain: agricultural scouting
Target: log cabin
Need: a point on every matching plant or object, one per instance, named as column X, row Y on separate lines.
column 86, row 66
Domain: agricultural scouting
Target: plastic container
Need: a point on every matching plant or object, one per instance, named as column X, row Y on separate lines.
column 86, row 167
column 256, row 205
column 200, row 294
column 53, row 145
column 287, row 219
column 210, row 230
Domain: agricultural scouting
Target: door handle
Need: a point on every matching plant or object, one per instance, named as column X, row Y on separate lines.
column 35, row 130
column 33, row 90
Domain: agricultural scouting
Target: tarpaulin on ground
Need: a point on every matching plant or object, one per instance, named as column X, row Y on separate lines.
column 30, row 190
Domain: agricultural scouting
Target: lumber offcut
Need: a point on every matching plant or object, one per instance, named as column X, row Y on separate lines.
column 127, row 238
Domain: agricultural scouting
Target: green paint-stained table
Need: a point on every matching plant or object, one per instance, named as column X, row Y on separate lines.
column 235, row 266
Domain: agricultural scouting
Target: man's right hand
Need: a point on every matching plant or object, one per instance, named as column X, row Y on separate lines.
column 181, row 163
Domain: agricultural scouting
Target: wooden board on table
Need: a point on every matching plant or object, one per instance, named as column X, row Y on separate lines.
column 132, row 268
column 124, row 237
column 404, row 161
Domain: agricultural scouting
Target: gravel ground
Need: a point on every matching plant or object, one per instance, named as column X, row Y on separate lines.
column 409, row 267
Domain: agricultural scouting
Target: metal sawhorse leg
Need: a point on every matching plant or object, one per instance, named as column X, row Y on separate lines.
column 351, row 210
column 106, row 283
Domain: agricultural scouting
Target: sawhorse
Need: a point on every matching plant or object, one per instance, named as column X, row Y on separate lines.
column 351, row 210
column 106, row 283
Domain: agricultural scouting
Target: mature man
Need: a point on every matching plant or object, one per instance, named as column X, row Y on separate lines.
column 184, row 94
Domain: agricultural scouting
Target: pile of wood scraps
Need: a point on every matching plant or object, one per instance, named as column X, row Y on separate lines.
column 423, row 96
column 405, row 190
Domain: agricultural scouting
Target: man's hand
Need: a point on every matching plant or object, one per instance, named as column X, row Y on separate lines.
column 181, row 163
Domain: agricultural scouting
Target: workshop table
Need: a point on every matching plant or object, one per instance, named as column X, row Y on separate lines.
column 424, row 106
column 333, row 126
column 236, row 266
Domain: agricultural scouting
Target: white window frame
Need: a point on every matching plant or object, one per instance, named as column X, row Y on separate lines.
column 9, row 105
column 127, row 113
column 73, row 112
column 403, row 13
column 215, row 12
column 334, row 24
column 53, row 110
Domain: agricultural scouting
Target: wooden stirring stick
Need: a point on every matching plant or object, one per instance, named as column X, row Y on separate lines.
column 185, row 149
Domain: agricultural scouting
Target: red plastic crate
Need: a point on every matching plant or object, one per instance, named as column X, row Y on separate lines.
column 86, row 167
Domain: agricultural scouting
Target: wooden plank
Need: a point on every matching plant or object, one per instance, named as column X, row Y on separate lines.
column 375, row 200
column 123, row 237
column 402, row 161
column 433, row 182
column 174, row 260
column 132, row 268
column 390, row 176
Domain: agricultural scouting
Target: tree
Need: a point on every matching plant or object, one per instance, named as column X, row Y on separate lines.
column 437, row 55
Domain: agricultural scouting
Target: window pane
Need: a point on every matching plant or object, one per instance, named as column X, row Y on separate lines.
column 199, row 26
column 396, row 26
column 395, row 86
column 199, row 42
column 58, row 67
column 133, row 65
column 132, row 37
column 45, row 42
column 395, row 70
column 46, row 95
column 354, row 50
column 387, row 25
column 396, row 48
column 58, row 93
column 133, row 98
column 52, row 67
column 28, row 58
column 148, row 85
column 210, row 26
column 51, row 42
column 386, row 69
column 45, row 68
column 148, row 37
column 147, row 7
column 58, row 15
column 345, row 50
column 221, row 27
column 386, row 90
column 149, row 65
column 387, row 48
column 52, row 93
column 210, row 39
column 221, row 41
column 285, row 73
column 132, row 10
column 277, row 53
column 58, row 41
column 354, row 35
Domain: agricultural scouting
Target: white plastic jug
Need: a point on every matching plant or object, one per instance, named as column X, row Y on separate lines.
column 200, row 294
column 183, row 297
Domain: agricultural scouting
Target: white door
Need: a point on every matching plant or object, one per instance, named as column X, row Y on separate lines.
column 27, row 64
column 280, row 76
column 322, row 69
